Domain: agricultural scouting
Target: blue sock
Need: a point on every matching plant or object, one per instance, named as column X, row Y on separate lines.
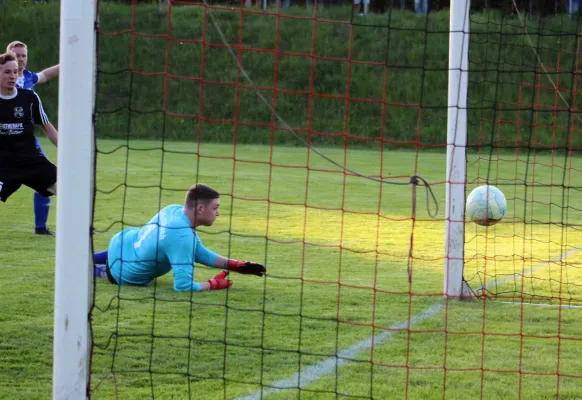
column 100, row 257
column 41, row 210
column 99, row 271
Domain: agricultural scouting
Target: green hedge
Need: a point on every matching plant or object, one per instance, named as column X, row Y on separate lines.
column 414, row 84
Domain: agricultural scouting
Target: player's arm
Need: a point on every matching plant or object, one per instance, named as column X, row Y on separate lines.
column 41, row 119
column 204, row 256
column 48, row 74
column 51, row 133
column 243, row 267
column 180, row 249
column 217, row 283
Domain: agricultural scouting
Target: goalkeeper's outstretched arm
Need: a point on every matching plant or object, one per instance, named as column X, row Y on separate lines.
column 201, row 207
column 220, row 281
column 184, row 275
column 217, row 283
column 204, row 256
column 182, row 257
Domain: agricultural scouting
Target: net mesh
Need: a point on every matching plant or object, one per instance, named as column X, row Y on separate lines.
column 352, row 304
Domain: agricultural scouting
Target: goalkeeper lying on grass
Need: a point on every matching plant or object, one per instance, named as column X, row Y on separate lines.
column 169, row 242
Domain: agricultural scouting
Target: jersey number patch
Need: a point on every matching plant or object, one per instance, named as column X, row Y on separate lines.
column 144, row 235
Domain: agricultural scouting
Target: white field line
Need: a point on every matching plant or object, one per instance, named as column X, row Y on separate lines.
column 521, row 303
column 328, row 366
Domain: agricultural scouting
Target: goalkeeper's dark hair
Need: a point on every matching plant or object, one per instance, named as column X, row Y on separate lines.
column 200, row 194
column 6, row 57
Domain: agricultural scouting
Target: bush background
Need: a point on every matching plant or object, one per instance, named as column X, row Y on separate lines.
column 166, row 77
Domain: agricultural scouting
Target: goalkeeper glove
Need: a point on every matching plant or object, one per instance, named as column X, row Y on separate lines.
column 246, row 267
column 219, row 281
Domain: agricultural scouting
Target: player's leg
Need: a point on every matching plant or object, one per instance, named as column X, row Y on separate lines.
column 41, row 212
column 8, row 185
column 52, row 189
column 41, row 206
column 100, row 257
column 41, row 176
column 100, row 271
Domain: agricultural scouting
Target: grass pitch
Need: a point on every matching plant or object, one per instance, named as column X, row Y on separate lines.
column 337, row 252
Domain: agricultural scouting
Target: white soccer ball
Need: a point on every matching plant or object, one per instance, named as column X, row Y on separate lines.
column 486, row 205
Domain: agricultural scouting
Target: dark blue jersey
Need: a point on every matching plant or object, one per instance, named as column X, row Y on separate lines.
column 18, row 115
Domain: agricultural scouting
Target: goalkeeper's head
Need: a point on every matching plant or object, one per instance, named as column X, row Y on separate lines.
column 201, row 205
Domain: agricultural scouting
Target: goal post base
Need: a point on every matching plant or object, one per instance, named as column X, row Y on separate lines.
column 466, row 292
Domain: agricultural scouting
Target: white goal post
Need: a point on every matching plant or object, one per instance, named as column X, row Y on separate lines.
column 74, row 276
column 456, row 143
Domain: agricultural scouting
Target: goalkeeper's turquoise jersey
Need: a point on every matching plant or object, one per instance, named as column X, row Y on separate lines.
column 167, row 242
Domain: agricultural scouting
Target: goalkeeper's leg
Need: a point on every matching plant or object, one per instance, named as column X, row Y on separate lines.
column 100, row 257
column 100, row 271
column 101, row 268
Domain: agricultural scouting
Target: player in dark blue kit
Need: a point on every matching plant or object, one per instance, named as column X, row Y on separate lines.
column 169, row 242
column 21, row 163
column 26, row 80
